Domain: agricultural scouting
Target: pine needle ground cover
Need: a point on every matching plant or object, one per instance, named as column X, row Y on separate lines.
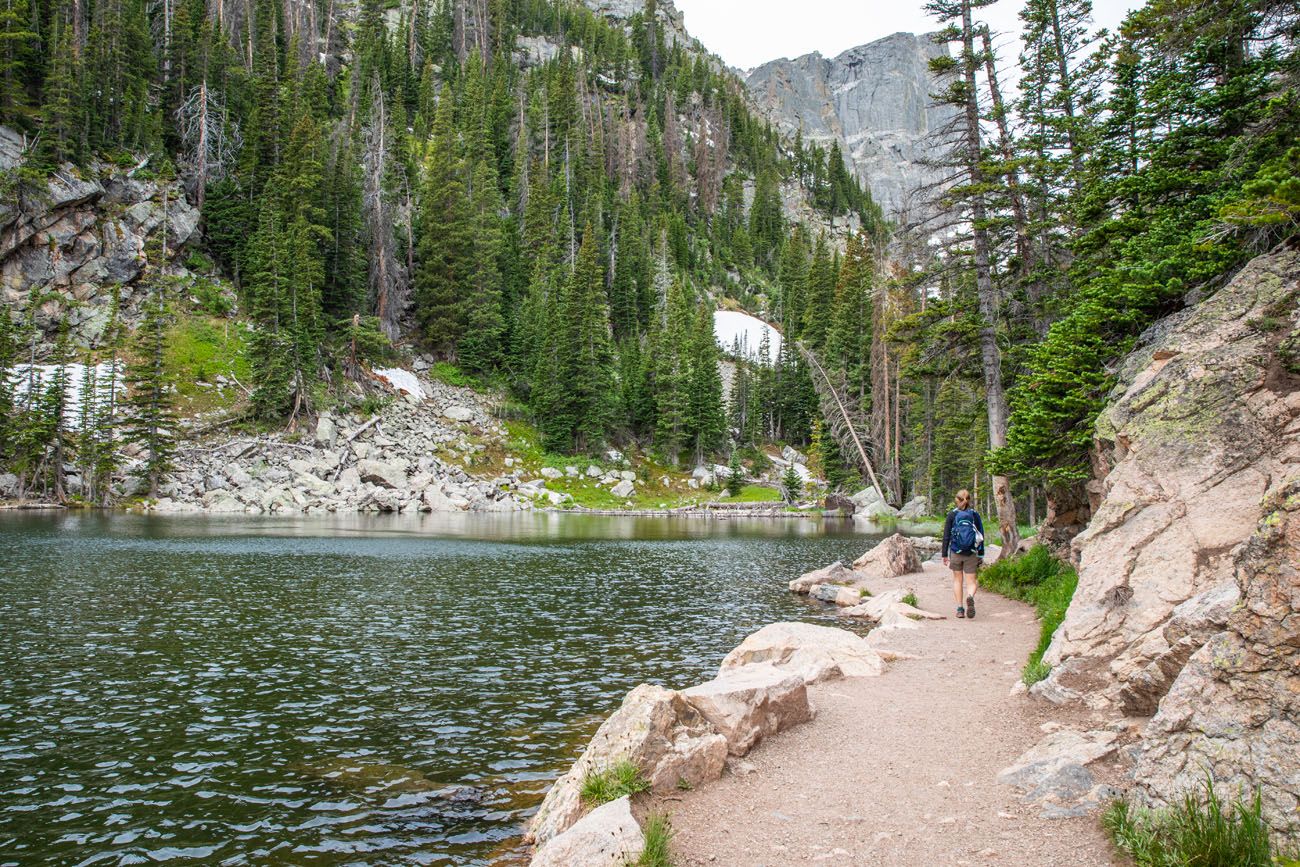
column 1044, row 582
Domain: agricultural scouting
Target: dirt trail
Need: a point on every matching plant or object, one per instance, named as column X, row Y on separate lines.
column 898, row 769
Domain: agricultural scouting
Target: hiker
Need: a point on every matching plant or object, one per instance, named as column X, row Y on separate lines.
column 963, row 552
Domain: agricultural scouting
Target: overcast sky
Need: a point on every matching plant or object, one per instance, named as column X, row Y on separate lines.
column 746, row 33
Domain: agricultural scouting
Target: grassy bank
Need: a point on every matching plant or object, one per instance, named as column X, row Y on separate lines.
column 1199, row 830
column 1044, row 582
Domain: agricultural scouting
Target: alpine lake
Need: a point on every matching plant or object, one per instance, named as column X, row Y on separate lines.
column 350, row 690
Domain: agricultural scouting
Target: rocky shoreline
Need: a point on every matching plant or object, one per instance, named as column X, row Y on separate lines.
column 680, row 739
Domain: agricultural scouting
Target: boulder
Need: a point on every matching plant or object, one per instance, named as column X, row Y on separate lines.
column 657, row 730
column 623, row 489
column 326, row 431
column 608, row 836
column 551, row 473
column 874, row 607
column 866, row 498
column 815, row 652
column 8, row 481
column 222, row 502
column 836, row 573
column 790, row 456
column 749, row 703
column 1235, row 707
column 893, row 557
column 386, row 475
column 841, row 504
column 914, row 509
column 836, row 594
column 458, row 413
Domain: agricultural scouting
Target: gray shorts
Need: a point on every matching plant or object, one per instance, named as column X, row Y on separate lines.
column 968, row 564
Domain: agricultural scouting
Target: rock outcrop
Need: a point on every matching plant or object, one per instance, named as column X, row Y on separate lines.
column 73, row 238
column 874, row 100
column 1202, row 428
column 1234, row 710
column 1188, row 602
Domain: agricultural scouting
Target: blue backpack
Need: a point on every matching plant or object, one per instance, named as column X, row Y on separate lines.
column 965, row 535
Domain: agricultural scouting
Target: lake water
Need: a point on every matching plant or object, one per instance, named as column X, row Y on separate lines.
column 196, row 690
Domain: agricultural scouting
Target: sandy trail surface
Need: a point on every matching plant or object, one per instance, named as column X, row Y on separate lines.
column 899, row 769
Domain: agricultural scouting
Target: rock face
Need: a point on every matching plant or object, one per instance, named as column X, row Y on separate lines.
column 1188, row 603
column 815, row 652
column 1234, row 710
column 749, row 703
column 79, row 234
column 608, row 836
column 657, row 730
column 1203, row 426
column 874, row 100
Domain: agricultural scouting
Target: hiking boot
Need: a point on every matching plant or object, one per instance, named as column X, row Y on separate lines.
column 961, row 612
column 970, row 607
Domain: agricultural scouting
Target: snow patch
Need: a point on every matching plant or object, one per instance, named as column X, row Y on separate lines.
column 742, row 334
column 25, row 377
column 402, row 381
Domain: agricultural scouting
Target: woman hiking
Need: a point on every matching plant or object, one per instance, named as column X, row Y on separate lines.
column 963, row 552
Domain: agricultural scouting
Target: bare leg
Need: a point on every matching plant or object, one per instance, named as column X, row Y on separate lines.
column 958, row 590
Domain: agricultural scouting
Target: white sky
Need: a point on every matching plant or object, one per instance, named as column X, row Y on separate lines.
column 746, row 33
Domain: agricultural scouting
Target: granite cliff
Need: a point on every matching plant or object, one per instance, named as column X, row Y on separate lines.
column 1187, row 610
column 874, row 99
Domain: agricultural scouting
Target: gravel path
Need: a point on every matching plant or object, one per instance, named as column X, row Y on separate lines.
column 898, row 769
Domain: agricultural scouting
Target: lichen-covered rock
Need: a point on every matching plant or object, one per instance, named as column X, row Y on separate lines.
column 893, row 557
column 1204, row 422
column 82, row 233
column 815, row 652
column 608, row 836
column 749, row 703
column 1234, row 710
column 1054, row 775
column 657, row 730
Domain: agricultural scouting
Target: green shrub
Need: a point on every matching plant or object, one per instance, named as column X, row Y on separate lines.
column 1200, row 831
column 1044, row 582
column 910, row 599
column 622, row 778
column 658, row 834
column 450, row 374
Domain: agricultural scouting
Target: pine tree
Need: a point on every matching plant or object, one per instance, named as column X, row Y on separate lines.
column 481, row 347
column 706, row 421
column 151, row 417
column 444, row 253
column 792, row 485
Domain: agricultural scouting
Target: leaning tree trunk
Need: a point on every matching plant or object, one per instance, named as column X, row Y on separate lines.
column 835, row 407
column 990, row 355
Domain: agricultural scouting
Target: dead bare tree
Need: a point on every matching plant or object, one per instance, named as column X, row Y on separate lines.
column 211, row 139
column 387, row 280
